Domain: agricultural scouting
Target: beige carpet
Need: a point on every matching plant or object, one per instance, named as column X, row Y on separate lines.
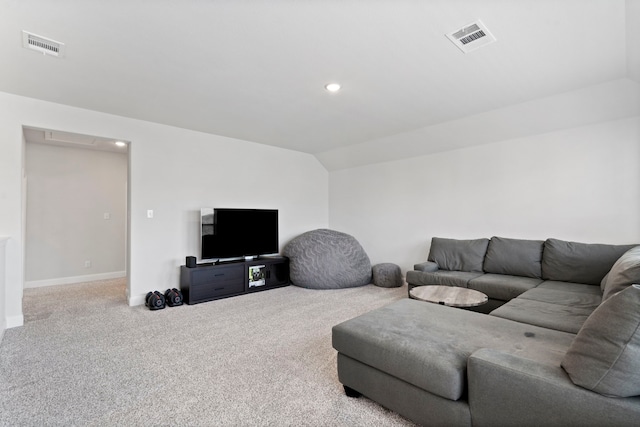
column 86, row 358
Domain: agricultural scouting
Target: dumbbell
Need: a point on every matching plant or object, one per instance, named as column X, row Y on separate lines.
column 154, row 300
column 173, row 297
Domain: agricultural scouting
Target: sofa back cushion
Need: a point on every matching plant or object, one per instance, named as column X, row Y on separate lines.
column 514, row 257
column 579, row 262
column 458, row 255
column 624, row 273
column 605, row 354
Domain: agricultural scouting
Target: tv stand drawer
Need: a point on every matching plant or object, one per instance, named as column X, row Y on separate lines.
column 214, row 290
column 209, row 282
column 210, row 275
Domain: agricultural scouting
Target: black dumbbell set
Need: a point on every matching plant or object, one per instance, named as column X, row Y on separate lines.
column 173, row 297
column 156, row 301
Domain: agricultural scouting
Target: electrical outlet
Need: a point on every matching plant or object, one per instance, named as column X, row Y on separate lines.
column 107, row 215
column 87, row 264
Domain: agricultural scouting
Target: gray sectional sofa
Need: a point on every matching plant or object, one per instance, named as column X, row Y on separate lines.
column 561, row 348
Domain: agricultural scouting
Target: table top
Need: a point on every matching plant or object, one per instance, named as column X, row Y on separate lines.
column 451, row 296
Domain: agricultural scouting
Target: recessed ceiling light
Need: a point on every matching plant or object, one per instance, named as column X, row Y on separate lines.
column 121, row 144
column 332, row 87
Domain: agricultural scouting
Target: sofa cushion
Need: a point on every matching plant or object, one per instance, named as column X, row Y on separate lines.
column 441, row 277
column 507, row 390
column 565, row 298
column 426, row 266
column 458, row 255
column 579, row 262
column 544, row 314
column 515, row 257
column 605, row 355
column 625, row 272
column 502, row 287
column 428, row 345
column 570, row 287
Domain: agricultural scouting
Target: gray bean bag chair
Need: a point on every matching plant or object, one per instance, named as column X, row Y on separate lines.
column 327, row 259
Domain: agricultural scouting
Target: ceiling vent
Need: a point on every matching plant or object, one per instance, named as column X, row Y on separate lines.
column 42, row 44
column 471, row 36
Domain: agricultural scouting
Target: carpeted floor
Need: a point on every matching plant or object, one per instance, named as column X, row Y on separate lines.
column 84, row 357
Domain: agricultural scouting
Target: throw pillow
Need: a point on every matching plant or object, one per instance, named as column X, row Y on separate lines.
column 603, row 282
column 624, row 272
column 458, row 255
column 605, row 354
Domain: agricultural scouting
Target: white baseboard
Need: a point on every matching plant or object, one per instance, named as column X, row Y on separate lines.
column 15, row 321
column 3, row 326
column 75, row 279
column 136, row 300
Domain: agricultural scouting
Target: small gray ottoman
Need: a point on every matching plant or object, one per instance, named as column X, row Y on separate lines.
column 387, row 275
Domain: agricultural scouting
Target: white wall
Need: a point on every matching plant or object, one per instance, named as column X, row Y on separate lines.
column 69, row 190
column 632, row 28
column 172, row 171
column 580, row 184
column 3, row 309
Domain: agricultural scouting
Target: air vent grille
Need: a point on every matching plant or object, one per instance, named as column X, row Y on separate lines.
column 471, row 36
column 467, row 30
column 69, row 138
column 42, row 44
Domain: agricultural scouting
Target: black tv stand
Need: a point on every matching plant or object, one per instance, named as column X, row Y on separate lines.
column 211, row 281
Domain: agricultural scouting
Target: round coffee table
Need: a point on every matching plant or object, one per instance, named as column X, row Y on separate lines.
column 451, row 296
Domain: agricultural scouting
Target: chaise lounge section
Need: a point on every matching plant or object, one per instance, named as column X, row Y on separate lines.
column 529, row 362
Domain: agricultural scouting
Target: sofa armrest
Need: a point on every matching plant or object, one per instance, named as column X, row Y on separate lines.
column 427, row 266
column 507, row 390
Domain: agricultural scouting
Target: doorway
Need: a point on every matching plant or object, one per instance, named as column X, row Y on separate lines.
column 76, row 212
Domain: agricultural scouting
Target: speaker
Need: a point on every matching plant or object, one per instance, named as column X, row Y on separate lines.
column 191, row 261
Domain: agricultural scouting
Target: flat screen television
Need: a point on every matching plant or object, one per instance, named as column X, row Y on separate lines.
column 233, row 233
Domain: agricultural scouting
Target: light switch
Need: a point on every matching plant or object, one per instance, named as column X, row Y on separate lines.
column 149, row 213
column 107, row 215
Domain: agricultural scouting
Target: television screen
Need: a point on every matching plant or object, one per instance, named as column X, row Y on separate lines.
column 232, row 233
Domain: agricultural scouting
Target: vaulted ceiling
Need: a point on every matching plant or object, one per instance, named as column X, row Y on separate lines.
column 256, row 70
